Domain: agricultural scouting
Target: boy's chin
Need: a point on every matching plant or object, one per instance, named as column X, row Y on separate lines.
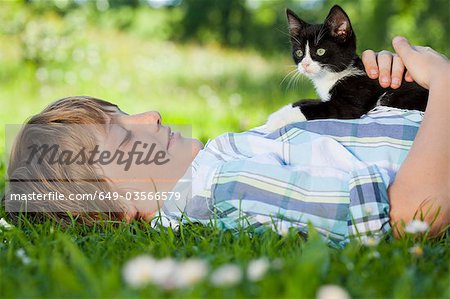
column 197, row 146
column 186, row 151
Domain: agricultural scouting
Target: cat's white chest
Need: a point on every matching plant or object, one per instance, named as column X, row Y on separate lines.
column 325, row 81
column 323, row 86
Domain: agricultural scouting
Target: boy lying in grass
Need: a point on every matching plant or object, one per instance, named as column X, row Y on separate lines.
column 336, row 174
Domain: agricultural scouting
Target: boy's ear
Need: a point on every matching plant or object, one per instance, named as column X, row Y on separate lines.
column 296, row 25
column 339, row 23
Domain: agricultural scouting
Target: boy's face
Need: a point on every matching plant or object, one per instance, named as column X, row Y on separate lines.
column 149, row 158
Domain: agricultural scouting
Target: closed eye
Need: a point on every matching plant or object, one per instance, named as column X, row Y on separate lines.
column 127, row 138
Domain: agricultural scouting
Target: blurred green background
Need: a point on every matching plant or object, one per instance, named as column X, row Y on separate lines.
column 218, row 65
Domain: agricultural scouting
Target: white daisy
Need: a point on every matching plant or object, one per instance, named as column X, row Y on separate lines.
column 368, row 211
column 257, row 269
column 416, row 250
column 226, row 275
column 332, row 292
column 139, row 271
column 190, row 272
column 284, row 228
column 20, row 253
column 416, row 226
column 164, row 272
column 5, row 225
column 372, row 241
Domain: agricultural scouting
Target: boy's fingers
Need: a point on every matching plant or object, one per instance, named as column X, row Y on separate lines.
column 397, row 71
column 147, row 216
column 384, row 64
column 130, row 215
column 369, row 59
column 402, row 48
column 408, row 77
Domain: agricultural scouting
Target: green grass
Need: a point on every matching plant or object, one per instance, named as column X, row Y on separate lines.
column 215, row 90
column 82, row 262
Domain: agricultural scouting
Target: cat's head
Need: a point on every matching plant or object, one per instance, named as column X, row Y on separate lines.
column 318, row 49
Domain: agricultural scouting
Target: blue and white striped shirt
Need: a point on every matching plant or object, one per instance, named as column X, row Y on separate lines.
column 331, row 173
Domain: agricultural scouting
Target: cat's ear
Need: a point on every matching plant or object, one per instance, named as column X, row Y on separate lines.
column 295, row 23
column 339, row 23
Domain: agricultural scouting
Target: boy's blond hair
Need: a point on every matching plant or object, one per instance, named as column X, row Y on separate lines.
column 54, row 127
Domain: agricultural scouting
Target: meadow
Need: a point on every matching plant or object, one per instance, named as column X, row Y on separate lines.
column 215, row 89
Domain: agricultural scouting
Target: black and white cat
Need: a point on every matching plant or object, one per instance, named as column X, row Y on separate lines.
column 326, row 53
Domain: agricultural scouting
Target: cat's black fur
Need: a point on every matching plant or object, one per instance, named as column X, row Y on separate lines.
column 352, row 96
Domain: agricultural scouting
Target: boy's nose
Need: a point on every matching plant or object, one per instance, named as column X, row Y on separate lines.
column 150, row 117
column 154, row 116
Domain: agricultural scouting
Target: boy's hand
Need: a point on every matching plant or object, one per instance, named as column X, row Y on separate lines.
column 423, row 63
column 385, row 66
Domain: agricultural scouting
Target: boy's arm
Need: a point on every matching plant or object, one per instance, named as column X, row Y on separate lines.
column 422, row 185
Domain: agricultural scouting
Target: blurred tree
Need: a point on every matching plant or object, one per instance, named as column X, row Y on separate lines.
column 376, row 22
column 257, row 24
column 225, row 22
column 262, row 24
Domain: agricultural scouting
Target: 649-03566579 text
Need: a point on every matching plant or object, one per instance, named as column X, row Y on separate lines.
column 56, row 196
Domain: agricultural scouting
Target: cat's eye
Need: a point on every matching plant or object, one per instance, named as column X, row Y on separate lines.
column 299, row 53
column 320, row 51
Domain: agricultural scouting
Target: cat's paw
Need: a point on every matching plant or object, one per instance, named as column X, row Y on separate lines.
column 284, row 116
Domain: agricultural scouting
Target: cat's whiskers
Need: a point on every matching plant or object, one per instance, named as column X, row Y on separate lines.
column 292, row 80
column 321, row 34
column 293, row 37
column 344, row 65
column 290, row 35
column 297, row 79
column 302, row 78
column 317, row 36
column 287, row 75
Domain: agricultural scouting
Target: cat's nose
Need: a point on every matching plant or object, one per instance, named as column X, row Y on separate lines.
column 305, row 65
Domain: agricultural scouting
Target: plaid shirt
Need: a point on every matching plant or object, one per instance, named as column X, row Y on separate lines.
column 331, row 173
